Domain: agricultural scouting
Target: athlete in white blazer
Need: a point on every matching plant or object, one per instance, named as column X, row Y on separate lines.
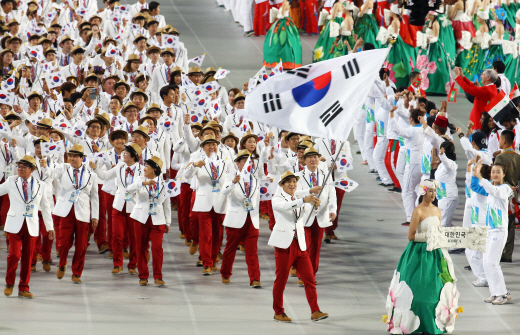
column 288, row 238
column 210, row 203
column 76, row 203
column 242, row 220
column 152, row 213
column 311, row 178
column 27, row 197
column 124, row 173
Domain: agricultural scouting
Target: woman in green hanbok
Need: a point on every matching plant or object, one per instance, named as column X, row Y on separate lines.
column 495, row 51
column 423, row 295
column 366, row 25
column 282, row 41
column 513, row 61
column 324, row 48
column 401, row 56
column 471, row 59
column 433, row 61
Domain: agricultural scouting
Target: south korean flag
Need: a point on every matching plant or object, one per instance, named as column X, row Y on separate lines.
column 166, row 125
column 112, row 51
column 197, row 60
column 267, row 189
column 79, row 130
column 173, row 188
column 221, row 73
column 196, row 115
column 62, row 124
column 7, row 98
column 170, row 41
column 345, row 184
column 4, row 127
column 53, row 148
column 211, row 87
column 36, row 52
column 200, row 102
column 55, row 79
column 344, row 161
column 320, row 99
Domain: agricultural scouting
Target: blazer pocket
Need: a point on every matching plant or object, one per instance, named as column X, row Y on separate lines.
column 11, row 213
column 138, row 206
column 279, row 228
column 235, row 210
column 200, row 193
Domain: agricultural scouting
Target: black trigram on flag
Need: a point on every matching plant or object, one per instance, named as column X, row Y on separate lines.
column 272, row 102
column 350, row 69
column 300, row 72
column 331, row 113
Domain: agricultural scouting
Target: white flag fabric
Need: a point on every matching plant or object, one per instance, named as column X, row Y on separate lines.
column 55, row 79
column 200, row 102
column 197, row 60
column 62, row 124
column 10, row 82
column 277, row 69
column 196, row 115
column 245, row 173
column 262, row 74
column 344, row 161
column 7, row 98
column 170, row 41
column 4, row 127
column 79, row 130
column 53, row 148
column 166, row 125
column 267, row 189
column 36, row 52
column 221, row 73
column 112, row 51
column 187, row 81
column 211, row 87
column 346, row 184
column 320, row 99
column 173, row 188
column 48, row 66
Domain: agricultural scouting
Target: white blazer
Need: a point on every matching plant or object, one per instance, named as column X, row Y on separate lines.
column 236, row 213
column 119, row 174
column 163, row 146
column 14, row 156
column 141, row 208
column 327, row 197
column 206, row 199
column 290, row 216
column 87, row 203
column 159, row 80
column 15, row 219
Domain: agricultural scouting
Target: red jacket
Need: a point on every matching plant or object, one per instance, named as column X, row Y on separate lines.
column 482, row 96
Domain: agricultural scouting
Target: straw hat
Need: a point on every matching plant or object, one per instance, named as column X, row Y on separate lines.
column 27, row 160
column 209, row 139
column 287, row 175
column 77, row 149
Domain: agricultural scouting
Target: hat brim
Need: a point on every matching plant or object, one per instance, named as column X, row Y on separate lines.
column 38, row 141
column 196, row 126
column 40, row 125
column 22, row 161
column 280, row 183
column 139, row 93
column 152, row 164
column 246, row 137
column 209, row 141
column 94, row 120
column 13, row 117
column 132, row 150
column 34, row 95
column 240, row 157
column 74, row 152
column 311, row 154
column 142, row 133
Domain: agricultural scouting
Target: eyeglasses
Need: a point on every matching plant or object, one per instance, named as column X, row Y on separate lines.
column 95, row 127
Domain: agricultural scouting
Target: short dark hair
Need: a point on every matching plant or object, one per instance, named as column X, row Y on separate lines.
column 383, row 71
column 115, row 97
column 68, row 87
column 153, row 5
column 156, row 169
column 449, row 150
column 414, row 114
column 508, row 135
column 414, row 75
column 368, row 46
column 166, row 89
column 75, row 97
column 499, row 66
column 131, row 152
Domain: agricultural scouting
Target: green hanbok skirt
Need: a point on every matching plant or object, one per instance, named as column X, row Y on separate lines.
column 367, row 28
column 325, row 43
column 282, row 42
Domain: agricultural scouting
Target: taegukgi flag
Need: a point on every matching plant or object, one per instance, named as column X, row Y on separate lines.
column 320, row 99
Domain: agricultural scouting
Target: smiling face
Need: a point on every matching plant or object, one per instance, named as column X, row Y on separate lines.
column 75, row 160
column 250, row 144
column 430, row 195
column 209, row 148
column 25, row 170
column 289, row 185
column 497, row 175
column 312, row 161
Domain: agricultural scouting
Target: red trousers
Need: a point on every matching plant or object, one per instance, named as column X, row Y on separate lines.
column 100, row 235
column 249, row 234
column 209, row 228
column 183, row 210
column 122, row 221
column 313, row 238
column 285, row 258
column 392, row 153
column 310, row 21
column 194, row 221
column 43, row 245
column 20, row 246
column 73, row 230
column 144, row 233
column 261, row 20
column 5, row 204
column 109, row 199
column 339, row 200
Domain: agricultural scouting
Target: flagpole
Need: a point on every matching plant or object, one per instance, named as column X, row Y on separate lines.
column 327, row 177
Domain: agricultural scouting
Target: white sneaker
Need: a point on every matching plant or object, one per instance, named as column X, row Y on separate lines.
column 480, row 283
column 490, row 299
column 502, row 299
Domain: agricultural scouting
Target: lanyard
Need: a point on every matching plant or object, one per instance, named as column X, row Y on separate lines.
column 157, row 191
column 250, row 183
column 116, row 155
column 80, row 178
column 10, row 155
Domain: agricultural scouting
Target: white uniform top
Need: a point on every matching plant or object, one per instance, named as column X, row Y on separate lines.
column 446, row 175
